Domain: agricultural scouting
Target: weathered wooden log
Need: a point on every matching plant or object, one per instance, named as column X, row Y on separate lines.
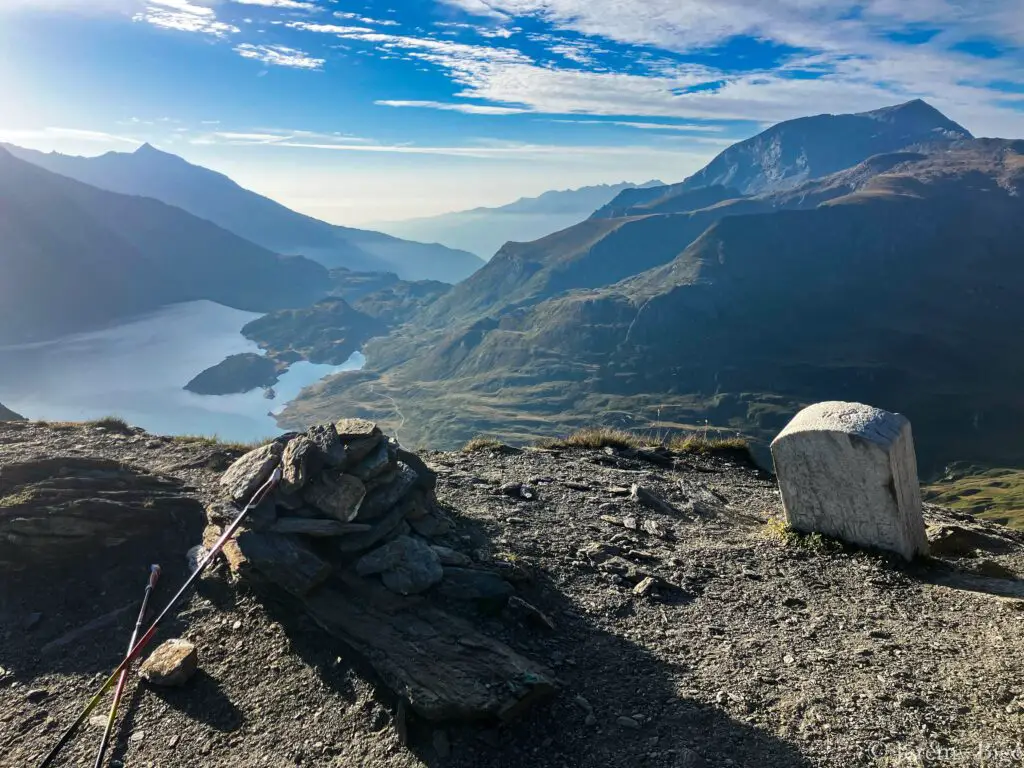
column 440, row 664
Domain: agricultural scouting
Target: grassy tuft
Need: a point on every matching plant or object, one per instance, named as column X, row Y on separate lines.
column 595, row 437
column 17, row 499
column 211, row 441
column 483, row 443
column 111, row 424
column 700, row 444
column 778, row 529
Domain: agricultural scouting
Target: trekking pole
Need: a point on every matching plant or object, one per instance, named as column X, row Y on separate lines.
column 140, row 646
column 154, row 575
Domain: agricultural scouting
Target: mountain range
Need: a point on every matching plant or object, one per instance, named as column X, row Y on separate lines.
column 74, row 256
column 149, row 172
column 891, row 279
column 484, row 230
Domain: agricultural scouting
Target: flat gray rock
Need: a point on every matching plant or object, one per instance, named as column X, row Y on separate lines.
column 337, row 496
column 406, row 565
column 246, row 475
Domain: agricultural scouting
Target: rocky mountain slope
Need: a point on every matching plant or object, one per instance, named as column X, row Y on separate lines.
column 703, row 636
column 484, row 230
column 6, row 414
column 76, row 256
column 795, row 151
column 624, row 239
column 877, row 284
column 150, row 172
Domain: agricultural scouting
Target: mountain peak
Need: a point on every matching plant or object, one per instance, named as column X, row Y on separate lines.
column 918, row 114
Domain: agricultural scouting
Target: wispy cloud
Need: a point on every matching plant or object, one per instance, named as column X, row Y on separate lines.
column 476, row 8
column 469, row 109
column 683, row 127
column 366, row 19
column 184, row 16
column 291, row 5
column 279, row 56
column 16, row 135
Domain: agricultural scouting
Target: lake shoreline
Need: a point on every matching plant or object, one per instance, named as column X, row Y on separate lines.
column 137, row 370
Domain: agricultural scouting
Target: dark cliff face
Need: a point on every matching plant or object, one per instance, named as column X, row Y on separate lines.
column 76, row 256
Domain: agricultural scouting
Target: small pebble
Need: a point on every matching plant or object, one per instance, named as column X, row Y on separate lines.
column 173, row 741
column 138, row 736
column 236, row 626
column 627, row 722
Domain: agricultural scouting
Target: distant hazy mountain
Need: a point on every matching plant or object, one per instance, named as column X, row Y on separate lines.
column 73, row 256
column 484, row 230
column 210, row 195
column 790, row 153
column 6, row 414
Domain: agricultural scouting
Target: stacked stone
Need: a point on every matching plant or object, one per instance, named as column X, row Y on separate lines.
column 348, row 495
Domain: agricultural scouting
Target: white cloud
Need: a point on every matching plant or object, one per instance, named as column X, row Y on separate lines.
column 292, row 5
column 184, row 16
column 857, row 68
column 683, row 127
column 15, row 135
column 477, row 8
column 469, row 109
column 279, row 56
column 366, row 19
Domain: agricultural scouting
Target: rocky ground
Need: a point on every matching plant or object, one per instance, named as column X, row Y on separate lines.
column 747, row 646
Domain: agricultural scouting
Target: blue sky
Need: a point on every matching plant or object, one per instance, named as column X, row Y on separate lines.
column 363, row 110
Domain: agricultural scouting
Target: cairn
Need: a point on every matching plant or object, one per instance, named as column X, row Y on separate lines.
column 348, row 495
column 351, row 533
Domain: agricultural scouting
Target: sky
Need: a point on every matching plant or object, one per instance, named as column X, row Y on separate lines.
column 357, row 111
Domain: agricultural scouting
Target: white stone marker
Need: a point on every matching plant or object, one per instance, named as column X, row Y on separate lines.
column 849, row 471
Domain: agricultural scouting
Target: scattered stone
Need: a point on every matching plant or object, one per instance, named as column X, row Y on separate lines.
column 522, row 611
column 958, row 541
column 251, row 471
column 849, row 471
column 486, row 588
column 630, row 523
column 338, row 496
column 36, row 695
column 654, row 528
column 590, row 720
column 173, row 741
column 406, row 565
column 98, row 721
column 137, row 737
column 651, row 500
column 172, row 664
column 645, row 587
column 794, row 602
column 442, row 745
column 32, row 621
column 583, row 704
column 627, row 722
column 449, row 556
column 687, row 758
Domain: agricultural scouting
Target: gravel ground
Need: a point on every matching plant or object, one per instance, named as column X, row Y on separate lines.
column 751, row 648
